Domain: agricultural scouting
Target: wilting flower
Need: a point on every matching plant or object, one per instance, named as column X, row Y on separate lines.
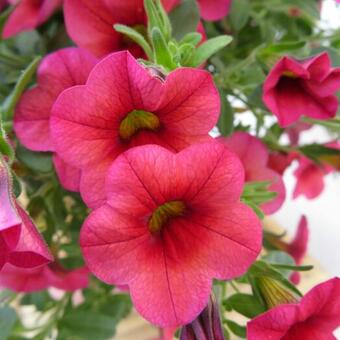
column 254, row 157
column 57, row 72
column 28, row 15
column 207, row 326
column 10, row 220
column 297, row 248
column 20, row 243
column 90, row 23
column 296, row 88
column 171, row 223
column 123, row 105
column 310, row 178
column 43, row 277
column 316, row 316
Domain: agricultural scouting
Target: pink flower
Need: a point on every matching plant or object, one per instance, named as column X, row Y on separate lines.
column 254, row 157
column 295, row 130
column 28, row 15
column 279, row 161
column 298, row 247
column 297, row 88
column 171, row 223
column 43, row 277
column 90, row 23
column 316, row 316
column 212, row 10
column 121, row 106
column 57, row 72
column 310, row 178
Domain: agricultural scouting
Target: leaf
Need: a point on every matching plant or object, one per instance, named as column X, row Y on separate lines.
column 236, row 328
column 277, row 257
column 162, row 54
column 209, row 48
column 87, row 325
column 226, row 119
column 23, row 81
column 37, row 161
column 136, row 37
column 7, row 321
column 239, row 14
column 245, row 304
column 184, row 18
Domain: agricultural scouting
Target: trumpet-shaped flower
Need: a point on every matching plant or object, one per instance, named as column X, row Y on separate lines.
column 57, row 72
column 123, row 105
column 316, row 316
column 296, row 88
column 254, row 157
column 171, row 223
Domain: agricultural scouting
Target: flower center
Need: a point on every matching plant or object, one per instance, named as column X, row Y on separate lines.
column 289, row 74
column 135, row 121
column 161, row 216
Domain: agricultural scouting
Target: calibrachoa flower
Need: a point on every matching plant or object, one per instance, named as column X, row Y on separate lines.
column 28, row 15
column 43, row 277
column 171, row 223
column 310, row 178
column 57, row 72
column 280, row 161
column 123, row 105
column 316, row 316
column 296, row 88
column 254, row 157
column 90, row 23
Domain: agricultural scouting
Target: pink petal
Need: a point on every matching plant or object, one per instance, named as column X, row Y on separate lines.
column 251, row 151
column 309, row 179
column 273, row 324
column 90, row 25
column 213, row 10
column 298, row 247
column 68, row 175
column 31, row 250
column 57, row 72
column 170, row 275
column 28, row 15
column 318, row 66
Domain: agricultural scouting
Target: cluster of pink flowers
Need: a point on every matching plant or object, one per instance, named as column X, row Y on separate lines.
column 165, row 197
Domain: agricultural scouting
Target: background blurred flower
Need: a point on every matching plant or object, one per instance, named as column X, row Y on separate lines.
column 29, row 14
column 254, row 156
column 296, row 88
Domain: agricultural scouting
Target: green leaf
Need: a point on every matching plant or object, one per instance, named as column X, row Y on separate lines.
column 209, row 48
column 238, row 330
column 37, row 161
column 332, row 124
column 226, row 119
column 162, row 54
column 184, row 18
column 87, row 325
column 7, row 321
column 192, row 38
column 277, row 257
column 136, row 37
column 315, row 151
column 245, row 304
column 239, row 14
column 23, row 81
